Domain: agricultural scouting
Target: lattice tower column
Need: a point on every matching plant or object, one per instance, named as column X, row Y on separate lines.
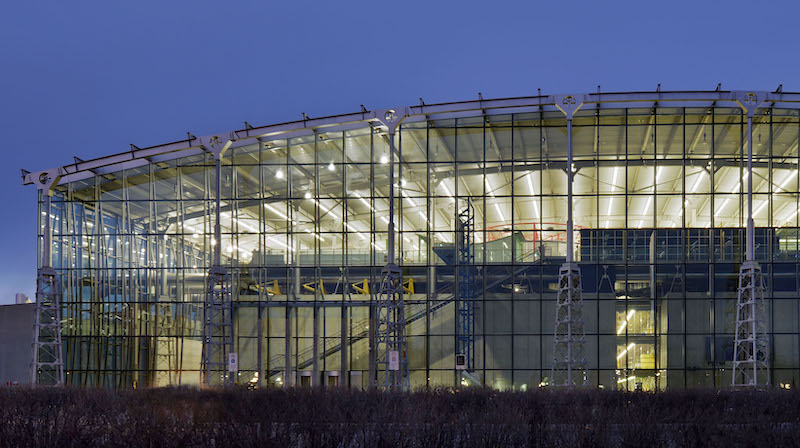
column 751, row 342
column 391, row 357
column 465, row 253
column 390, row 338
column 569, row 359
column 165, row 345
column 218, row 305
column 47, row 365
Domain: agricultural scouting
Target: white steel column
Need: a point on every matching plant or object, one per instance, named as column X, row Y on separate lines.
column 569, row 360
column 217, row 309
column 391, row 357
column 751, row 343
column 47, row 365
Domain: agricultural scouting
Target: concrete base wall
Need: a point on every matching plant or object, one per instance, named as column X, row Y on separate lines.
column 16, row 337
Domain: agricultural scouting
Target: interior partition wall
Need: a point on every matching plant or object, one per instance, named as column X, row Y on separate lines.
column 659, row 228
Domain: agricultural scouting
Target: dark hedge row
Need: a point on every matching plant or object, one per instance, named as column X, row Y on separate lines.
column 434, row 418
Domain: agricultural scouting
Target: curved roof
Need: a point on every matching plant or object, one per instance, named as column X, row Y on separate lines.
column 388, row 118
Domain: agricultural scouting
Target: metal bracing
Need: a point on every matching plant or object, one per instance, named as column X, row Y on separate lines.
column 47, row 363
column 47, row 368
column 750, row 343
column 391, row 360
column 193, row 145
column 218, row 305
column 391, row 357
column 166, row 355
column 465, row 262
column 217, row 328
column 569, row 359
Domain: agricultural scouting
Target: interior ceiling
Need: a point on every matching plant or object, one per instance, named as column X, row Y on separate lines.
column 603, row 174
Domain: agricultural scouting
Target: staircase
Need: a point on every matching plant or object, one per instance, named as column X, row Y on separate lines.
column 417, row 311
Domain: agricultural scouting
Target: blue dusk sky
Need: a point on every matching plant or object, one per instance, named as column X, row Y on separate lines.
column 86, row 79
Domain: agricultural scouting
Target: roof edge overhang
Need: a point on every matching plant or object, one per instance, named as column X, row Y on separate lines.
column 192, row 145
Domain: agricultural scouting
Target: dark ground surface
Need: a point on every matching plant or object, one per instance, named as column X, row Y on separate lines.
column 436, row 418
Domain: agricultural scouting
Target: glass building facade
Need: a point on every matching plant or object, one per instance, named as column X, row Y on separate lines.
column 660, row 211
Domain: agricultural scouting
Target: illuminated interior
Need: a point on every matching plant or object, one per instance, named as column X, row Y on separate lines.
column 659, row 233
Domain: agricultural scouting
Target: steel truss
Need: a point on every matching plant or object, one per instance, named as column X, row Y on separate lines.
column 218, row 305
column 47, row 364
column 390, row 337
column 217, row 328
column 391, row 356
column 751, row 342
column 419, row 113
column 166, row 355
column 465, row 237
column 47, row 368
column 569, row 359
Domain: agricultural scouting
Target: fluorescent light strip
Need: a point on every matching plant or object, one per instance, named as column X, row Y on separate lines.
column 488, row 187
column 446, row 190
column 364, row 201
column 647, row 206
column 276, row 241
column 529, row 177
column 614, row 179
column 276, row 211
column 697, row 182
column 739, row 184
column 353, row 229
column 410, row 201
column 245, row 225
column 625, row 322
column 499, row 212
column 490, row 193
column 315, row 235
column 327, row 210
column 766, row 201
column 787, row 179
column 632, row 344
column 613, row 187
column 721, row 207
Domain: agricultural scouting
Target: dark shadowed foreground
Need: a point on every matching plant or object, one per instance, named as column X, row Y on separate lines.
column 438, row 418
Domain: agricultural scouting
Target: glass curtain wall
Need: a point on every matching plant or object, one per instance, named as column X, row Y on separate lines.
column 659, row 200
